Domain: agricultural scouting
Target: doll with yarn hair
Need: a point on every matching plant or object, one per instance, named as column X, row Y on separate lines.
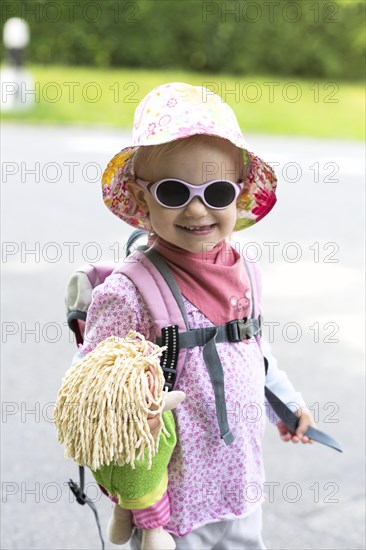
column 101, row 416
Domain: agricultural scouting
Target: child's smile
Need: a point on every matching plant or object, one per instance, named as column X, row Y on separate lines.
column 199, row 230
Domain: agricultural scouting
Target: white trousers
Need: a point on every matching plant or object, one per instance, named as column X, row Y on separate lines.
column 239, row 534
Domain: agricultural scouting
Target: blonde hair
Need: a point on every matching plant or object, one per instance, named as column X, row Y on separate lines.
column 147, row 155
column 103, row 403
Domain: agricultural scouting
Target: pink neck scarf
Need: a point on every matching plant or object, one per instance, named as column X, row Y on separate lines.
column 216, row 282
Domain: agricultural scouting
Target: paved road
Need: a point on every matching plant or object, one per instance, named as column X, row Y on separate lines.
column 53, row 220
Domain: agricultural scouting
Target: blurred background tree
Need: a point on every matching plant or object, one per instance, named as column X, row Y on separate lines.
column 304, row 39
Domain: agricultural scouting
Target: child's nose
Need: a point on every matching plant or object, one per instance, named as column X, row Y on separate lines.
column 196, row 208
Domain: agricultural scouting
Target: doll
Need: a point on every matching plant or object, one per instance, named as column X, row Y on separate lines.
column 101, row 415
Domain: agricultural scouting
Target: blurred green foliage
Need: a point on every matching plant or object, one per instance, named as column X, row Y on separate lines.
column 304, row 38
column 108, row 97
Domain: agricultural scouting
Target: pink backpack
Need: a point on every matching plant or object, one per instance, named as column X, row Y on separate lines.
column 154, row 280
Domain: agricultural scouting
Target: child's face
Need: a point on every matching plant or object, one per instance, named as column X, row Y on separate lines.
column 195, row 165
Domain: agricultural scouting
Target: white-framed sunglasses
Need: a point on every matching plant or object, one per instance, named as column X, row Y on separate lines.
column 176, row 193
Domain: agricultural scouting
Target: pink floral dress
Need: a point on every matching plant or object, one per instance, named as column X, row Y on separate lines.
column 208, row 480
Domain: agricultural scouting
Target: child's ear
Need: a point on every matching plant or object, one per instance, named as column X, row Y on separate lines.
column 139, row 195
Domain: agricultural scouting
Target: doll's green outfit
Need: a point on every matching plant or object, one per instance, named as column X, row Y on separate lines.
column 139, row 488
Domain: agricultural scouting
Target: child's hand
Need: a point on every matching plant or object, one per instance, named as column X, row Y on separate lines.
column 172, row 400
column 153, row 421
column 306, row 420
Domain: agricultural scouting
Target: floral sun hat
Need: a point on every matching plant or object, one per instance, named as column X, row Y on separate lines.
column 176, row 111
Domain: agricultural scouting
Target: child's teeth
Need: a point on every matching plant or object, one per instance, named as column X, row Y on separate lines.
column 198, row 228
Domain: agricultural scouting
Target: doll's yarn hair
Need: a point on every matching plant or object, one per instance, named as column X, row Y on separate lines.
column 103, row 403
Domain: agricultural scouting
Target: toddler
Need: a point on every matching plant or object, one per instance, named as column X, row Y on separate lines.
column 190, row 180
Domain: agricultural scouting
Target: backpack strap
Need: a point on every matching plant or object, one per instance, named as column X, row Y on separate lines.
column 169, row 278
column 133, row 238
column 206, row 337
column 82, row 498
column 290, row 419
column 162, row 296
column 164, row 301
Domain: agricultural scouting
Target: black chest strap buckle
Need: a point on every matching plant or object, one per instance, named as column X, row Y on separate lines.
column 242, row 329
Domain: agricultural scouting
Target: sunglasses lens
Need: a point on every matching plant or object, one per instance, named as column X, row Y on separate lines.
column 172, row 193
column 220, row 194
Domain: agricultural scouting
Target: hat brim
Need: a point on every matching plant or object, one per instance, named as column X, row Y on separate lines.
column 256, row 200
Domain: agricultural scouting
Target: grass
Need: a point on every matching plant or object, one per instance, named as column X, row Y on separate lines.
column 271, row 105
